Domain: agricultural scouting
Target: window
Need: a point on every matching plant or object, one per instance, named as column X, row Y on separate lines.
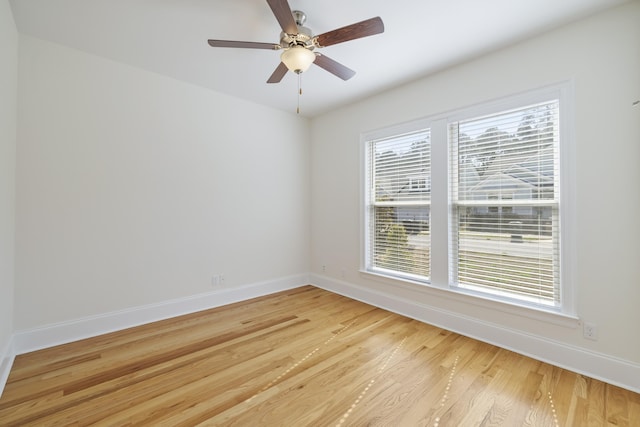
column 504, row 203
column 398, row 205
column 488, row 219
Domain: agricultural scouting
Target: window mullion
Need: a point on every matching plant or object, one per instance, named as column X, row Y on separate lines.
column 439, row 204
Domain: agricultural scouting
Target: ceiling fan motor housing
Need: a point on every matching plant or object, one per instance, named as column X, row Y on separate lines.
column 304, row 36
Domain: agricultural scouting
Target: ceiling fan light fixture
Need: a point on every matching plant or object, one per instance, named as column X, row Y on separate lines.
column 298, row 58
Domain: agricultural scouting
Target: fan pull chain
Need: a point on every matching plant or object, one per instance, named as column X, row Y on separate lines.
column 299, row 92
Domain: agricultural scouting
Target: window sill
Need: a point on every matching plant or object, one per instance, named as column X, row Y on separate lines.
column 479, row 300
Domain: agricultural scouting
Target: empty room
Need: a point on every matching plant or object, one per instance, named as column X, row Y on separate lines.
column 319, row 213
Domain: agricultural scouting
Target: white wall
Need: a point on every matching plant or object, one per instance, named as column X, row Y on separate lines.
column 133, row 188
column 8, row 85
column 602, row 55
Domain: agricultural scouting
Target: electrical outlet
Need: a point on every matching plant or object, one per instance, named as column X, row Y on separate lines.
column 324, row 268
column 590, row 331
column 217, row 279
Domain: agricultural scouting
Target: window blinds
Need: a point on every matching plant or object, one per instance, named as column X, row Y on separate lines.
column 504, row 194
column 399, row 190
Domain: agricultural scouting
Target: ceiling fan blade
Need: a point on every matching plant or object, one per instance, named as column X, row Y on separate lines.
column 334, row 67
column 358, row 30
column 278, row 74
column 283, row 14
column 245, row 45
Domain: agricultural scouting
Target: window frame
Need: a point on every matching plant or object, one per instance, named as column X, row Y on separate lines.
column 440, row 209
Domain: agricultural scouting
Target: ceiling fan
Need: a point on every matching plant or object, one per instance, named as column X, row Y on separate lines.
column 299, row 42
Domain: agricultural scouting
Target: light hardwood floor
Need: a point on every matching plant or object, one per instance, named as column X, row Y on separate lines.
column 304, row 357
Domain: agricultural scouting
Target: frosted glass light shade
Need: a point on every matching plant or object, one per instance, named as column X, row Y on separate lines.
column 297, row 58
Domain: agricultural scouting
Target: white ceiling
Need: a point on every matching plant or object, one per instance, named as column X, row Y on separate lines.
column 169, row 37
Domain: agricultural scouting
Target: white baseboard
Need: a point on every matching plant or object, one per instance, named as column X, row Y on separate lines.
column 6, row 361
column 600, row 366
column 74, row 330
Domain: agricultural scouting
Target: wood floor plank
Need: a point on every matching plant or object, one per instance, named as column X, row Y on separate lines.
column 303, row 357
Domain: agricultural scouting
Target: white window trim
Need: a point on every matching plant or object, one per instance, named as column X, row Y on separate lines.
column 439, row 212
